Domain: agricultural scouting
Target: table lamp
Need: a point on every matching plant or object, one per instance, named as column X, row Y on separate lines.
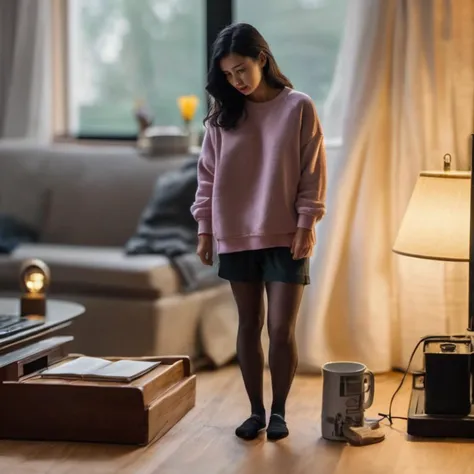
column 438, row 225
column 34, row 282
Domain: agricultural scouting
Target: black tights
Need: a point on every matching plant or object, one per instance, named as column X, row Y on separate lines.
column 283, row 305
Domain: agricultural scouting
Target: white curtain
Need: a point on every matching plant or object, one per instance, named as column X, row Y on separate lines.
column 26, row 89
column 402, row 97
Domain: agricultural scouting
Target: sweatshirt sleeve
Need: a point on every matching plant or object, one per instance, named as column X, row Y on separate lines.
column 311, row 198
column 202, row 206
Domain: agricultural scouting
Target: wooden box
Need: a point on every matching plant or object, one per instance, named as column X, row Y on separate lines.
column 138, row 412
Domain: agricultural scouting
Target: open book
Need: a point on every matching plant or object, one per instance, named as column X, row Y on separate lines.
column 97, row 369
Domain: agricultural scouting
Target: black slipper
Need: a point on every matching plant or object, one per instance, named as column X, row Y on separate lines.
column 251, row 427
column 277, row 428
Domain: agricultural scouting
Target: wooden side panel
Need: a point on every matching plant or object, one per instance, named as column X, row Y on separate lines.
column 170, row 408
column 70, row 412
column 154, row 387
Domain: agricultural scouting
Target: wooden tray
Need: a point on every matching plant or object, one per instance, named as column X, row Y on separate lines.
column 138, row 412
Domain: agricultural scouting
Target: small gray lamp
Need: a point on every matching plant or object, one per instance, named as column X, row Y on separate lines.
column 34, row 283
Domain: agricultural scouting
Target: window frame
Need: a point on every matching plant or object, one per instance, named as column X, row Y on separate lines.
column 59, row 47
column 218, row 15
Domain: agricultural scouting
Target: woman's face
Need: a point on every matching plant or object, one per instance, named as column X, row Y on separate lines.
column 242, row 72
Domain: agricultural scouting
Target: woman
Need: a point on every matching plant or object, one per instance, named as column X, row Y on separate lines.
column 261, row 191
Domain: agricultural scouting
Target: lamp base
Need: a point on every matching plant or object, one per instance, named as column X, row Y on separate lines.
column 420, row 424
column 32, row 306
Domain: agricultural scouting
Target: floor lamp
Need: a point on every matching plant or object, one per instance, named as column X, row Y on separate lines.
column 439, row 225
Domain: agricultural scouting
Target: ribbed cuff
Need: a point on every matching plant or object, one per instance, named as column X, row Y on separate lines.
column 306, row 221
column 204, row 226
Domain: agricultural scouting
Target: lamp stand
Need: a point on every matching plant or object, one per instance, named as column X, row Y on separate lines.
column 421, row 424
column 33, row 305
column 471, row 246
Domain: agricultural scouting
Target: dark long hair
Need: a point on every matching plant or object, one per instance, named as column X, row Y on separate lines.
column 227, row 103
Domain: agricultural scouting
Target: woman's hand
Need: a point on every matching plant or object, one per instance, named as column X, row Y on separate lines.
column 204, row 249
column 303, row 243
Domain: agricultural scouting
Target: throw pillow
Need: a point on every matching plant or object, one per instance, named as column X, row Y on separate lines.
column 167, row 226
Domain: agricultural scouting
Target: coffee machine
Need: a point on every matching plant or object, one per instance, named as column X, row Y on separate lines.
column 442, row 393
column 447, row 378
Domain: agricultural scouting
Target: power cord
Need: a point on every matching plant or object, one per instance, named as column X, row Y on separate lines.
column 388, row 415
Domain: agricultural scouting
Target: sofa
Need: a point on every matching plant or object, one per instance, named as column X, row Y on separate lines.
column 86, row 201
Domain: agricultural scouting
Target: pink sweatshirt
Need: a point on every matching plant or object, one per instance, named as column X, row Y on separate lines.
column 259, row 182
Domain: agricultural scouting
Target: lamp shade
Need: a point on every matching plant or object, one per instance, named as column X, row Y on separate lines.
column 436, row 224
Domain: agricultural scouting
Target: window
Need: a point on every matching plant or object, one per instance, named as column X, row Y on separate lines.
column 126, row 51
column 304, row 36
column 123, row 52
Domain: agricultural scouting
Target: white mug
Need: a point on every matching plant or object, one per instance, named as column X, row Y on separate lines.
column 345, row 385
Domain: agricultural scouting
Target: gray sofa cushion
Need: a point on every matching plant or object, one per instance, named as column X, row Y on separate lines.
column 23, row 191
column 96, row 199
column 95, row 270
column 77, row 194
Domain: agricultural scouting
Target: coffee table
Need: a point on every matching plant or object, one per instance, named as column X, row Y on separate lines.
column 59, row 314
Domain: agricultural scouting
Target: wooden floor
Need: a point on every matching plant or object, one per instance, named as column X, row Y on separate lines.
column 204, row 442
